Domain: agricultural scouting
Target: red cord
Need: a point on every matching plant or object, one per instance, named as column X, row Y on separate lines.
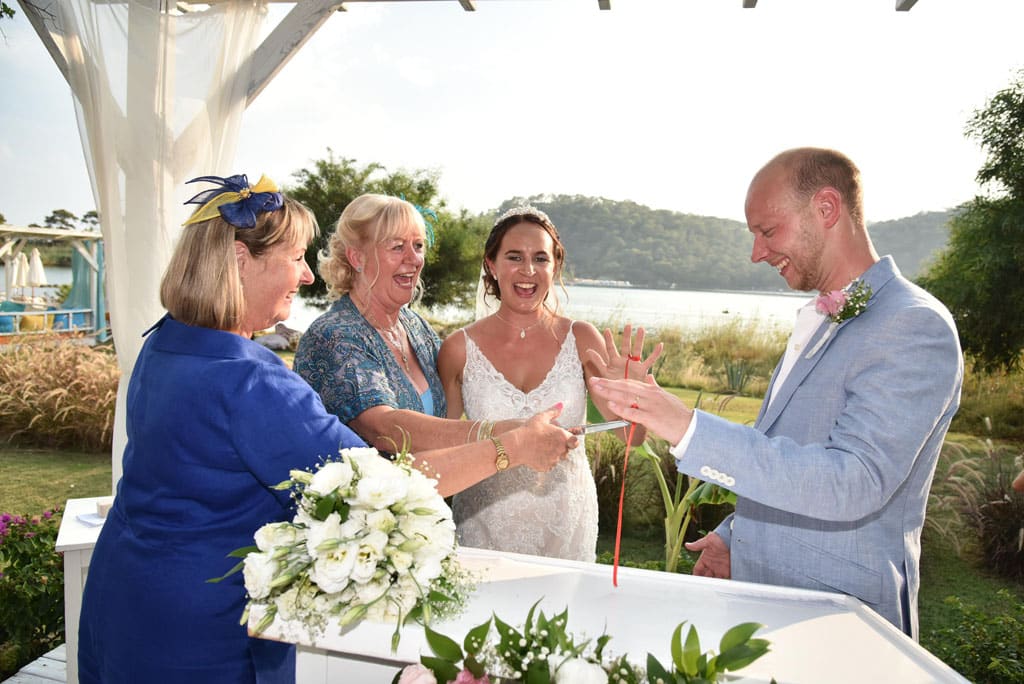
column 622, row 492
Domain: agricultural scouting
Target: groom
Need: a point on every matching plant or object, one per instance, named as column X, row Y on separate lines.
column 832, row 481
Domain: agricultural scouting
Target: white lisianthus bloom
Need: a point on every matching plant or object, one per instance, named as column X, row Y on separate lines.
column 382, row 520
column 423, row 498
column 331, row 476
column 368, row 462
column 332, row 571
column 355, row 525
column 400, row 560
column 259, row 571
column 275, row 535
column 370, row 551
column 369, row 592
column 579, row 671
column 380, row 492
column 319, row 532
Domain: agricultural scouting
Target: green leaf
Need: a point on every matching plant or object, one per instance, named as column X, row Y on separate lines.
column 691, row 652
column 738, row 635
column 443, row 670
column 324, row 506
column 742, row 655
column 656, row 671
column 537, row 672
column 474, row 640
column 442, row 646
column 677, row 647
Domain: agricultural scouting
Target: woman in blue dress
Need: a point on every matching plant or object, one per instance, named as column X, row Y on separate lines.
column 374, row 361
column 214, row 422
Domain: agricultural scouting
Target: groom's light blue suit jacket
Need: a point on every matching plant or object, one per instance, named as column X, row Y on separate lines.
column 832, row 481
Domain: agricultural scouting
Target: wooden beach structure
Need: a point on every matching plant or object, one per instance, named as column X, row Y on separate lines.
column 81, row 313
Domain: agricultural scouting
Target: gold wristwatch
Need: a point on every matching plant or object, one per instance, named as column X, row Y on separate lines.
column 501, row 462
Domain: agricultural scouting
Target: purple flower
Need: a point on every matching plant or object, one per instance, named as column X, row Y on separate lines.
column 5, row 518
column 47, row 514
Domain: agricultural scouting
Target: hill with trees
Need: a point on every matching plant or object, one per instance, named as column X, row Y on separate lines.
column 623, row 240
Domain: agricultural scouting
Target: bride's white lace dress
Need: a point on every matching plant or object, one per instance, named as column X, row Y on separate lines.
column 546, row 514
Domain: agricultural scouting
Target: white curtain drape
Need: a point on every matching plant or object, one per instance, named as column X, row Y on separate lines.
column 159, row 97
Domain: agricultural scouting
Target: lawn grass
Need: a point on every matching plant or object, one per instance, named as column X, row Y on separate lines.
column 35, row 480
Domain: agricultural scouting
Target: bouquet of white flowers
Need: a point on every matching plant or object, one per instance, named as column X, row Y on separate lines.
column 371, row 539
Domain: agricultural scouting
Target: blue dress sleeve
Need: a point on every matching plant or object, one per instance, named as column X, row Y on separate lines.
column 279, row 423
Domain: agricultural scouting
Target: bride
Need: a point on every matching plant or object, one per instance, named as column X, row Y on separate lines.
column 520, row 359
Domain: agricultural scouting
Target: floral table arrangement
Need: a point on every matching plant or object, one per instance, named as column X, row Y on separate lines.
column 371, row 539
column 545, row 653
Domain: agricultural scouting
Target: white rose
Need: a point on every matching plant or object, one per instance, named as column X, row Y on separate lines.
column 319, row 532
column 380, row 492
column 332, row 571
column 331, row 476
column 259, row 571
column 580, row 671
column 275, row 535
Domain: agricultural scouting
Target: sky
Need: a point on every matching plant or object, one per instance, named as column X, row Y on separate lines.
column 673, row 104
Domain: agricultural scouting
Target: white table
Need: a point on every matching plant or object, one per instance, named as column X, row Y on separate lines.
column 76, row 540
column 815, row 636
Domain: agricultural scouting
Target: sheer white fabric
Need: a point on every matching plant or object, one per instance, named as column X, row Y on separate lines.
column 159, row 99
column 520, row 510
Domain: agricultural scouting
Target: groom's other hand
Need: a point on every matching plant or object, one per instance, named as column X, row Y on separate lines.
column 714, row 557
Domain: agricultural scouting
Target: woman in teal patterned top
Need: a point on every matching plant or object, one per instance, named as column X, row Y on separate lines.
column 374, row 361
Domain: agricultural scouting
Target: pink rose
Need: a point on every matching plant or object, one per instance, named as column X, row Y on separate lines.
column 830, row 303
column 466, row 677
column 417, row 674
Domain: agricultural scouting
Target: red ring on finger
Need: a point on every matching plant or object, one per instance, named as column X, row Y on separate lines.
column 633, row 358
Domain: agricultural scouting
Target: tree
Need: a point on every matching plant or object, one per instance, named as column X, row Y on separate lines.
column 3, row 219
column 980, row 274
column 62, row 219
column 90, row 220
column 333, row 182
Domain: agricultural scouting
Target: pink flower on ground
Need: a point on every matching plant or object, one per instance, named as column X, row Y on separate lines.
column 830, row 303
column 417, row 674
column 466, row 677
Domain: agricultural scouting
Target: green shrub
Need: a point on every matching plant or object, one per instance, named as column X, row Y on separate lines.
column 58, row 394
column 983, row 647
column 31, row 589
column 991, row 403
column 997, row 516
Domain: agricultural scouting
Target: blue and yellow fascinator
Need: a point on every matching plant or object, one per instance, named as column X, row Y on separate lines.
column 234, row 200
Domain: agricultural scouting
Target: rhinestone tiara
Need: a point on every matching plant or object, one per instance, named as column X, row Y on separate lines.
column 524, row 210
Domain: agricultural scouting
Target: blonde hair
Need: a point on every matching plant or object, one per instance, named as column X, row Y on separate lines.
column 366, row 221
column 201, row 285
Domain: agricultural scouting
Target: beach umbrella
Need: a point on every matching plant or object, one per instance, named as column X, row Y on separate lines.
column 21, row 272
column 36, row 274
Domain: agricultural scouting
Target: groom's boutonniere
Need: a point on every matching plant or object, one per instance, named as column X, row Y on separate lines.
column 842, row 305
column 839, row 306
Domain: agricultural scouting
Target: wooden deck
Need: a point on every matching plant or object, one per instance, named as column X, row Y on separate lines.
column 51, row 667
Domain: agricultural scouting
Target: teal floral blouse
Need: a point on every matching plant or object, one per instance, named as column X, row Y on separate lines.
column 352, row 369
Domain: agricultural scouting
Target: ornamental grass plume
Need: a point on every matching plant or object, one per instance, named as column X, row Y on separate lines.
column 55, row 393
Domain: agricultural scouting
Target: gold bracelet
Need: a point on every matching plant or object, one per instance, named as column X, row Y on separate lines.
column 501, row 462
